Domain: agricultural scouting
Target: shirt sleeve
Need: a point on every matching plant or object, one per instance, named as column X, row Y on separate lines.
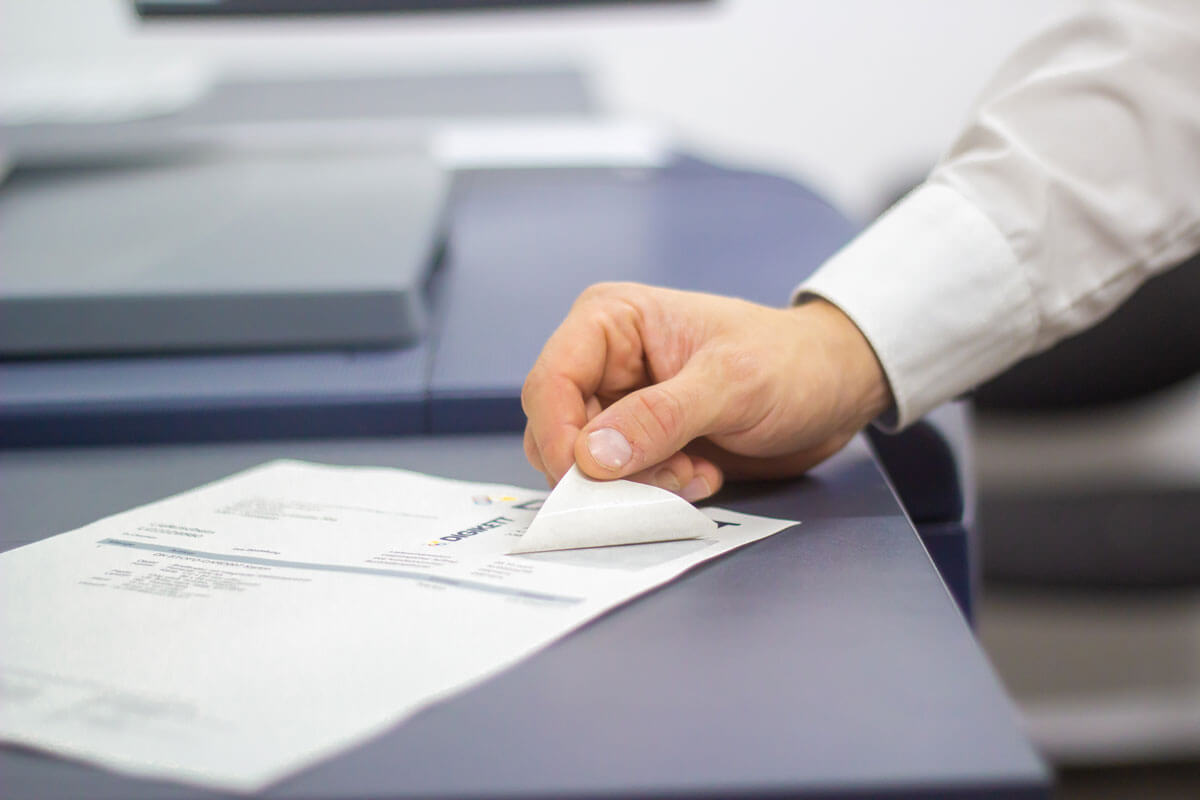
column 1076, row 178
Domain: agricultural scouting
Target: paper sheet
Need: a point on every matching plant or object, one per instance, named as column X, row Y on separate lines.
column 582, row 512
column 233, row 634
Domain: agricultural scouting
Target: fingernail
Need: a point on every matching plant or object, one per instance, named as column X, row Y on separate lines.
column 609, row 448
column 697, row 489
column 666, row 479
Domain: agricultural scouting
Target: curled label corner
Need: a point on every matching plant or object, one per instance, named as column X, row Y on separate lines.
column 583, row 512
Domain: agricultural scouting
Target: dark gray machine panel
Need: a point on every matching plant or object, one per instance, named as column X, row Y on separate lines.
column 219, row 251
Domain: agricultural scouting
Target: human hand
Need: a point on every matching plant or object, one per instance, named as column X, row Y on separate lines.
column 682, row 390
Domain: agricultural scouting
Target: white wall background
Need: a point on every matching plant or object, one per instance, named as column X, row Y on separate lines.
column 853, row 95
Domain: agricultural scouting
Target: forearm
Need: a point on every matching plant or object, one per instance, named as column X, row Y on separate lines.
column 1075, row 179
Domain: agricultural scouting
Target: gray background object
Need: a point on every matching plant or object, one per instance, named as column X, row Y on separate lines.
column 220, row 251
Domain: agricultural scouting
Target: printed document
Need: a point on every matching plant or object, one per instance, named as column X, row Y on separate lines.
column 238, row 632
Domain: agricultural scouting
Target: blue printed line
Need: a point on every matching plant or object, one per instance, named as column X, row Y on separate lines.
column 456, row 583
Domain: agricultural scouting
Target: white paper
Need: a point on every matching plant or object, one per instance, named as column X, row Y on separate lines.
column 582, row 512
column 238, row 632
column 556, row 141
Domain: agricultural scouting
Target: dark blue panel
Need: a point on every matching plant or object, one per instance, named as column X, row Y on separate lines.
column 195, row 398
column 949, row 547
column 924, row 470
column 477, row 412
column 523, row 245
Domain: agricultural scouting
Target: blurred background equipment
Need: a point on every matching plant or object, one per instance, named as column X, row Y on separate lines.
column 220, row 251
column 1090, row 467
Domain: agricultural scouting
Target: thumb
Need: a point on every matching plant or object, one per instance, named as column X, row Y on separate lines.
column 648, row 426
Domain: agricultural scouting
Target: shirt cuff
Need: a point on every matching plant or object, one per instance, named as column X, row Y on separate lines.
column 937, row 291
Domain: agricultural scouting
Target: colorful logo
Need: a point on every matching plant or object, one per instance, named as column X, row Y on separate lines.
column 488, row 499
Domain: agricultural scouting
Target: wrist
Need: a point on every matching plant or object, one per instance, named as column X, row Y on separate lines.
column 863, row 389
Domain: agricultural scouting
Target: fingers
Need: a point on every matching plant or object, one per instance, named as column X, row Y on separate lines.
column 556, row 394
column 769, row 392
column 535, row 457
column 598, row 344
column 735, row 466
column 647, row 427
column 693, row 478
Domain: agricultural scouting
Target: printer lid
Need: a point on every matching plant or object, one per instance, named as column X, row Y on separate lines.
column 218, row 251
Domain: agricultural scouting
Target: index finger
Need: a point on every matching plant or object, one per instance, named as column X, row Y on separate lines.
column 567, row 374
column 555, row 393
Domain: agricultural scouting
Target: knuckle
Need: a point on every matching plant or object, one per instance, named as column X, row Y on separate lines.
column 528, row 389
column 534, row 386
column 743, row 384
column 596, row 291
column 607, row 289
column 662, row 412
column 740, row 367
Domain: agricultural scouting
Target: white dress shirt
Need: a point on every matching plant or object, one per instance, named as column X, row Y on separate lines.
column 1076, row 178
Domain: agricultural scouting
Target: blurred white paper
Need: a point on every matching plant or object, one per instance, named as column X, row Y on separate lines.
column 236, row 633
column 551, row 142
column 582, row 512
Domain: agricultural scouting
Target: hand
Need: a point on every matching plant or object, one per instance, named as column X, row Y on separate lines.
column 682, row 390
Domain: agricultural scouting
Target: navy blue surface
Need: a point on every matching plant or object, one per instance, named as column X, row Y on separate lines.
column 948, row 544
column 924, row 471
column 828, row 661
column 524, row 245
column 198, row 398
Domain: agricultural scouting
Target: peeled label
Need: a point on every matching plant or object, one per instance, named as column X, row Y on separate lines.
column 582, row 512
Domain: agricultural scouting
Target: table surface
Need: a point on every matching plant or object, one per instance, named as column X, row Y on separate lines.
column 828, row 660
